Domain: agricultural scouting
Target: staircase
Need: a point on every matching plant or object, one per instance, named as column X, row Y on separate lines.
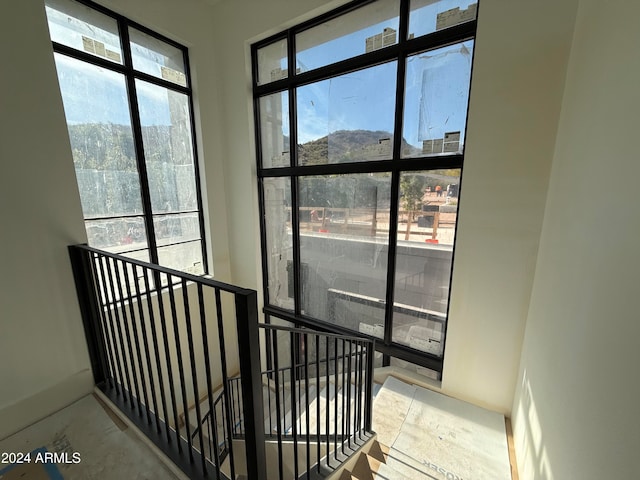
column 424, row 435
column 420, row 434
column 156, row 338
column 157, row 342
column 321, row 412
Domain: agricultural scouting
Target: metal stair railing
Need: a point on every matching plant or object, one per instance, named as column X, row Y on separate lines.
column 156, row 340
column 326, row 377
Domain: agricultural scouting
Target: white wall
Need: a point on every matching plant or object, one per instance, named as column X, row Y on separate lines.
column 516, row 94
column 573, row 415
column 516, row 91
column 190, row 23
column 43, row 357
column 576, row 407
column 237, row 24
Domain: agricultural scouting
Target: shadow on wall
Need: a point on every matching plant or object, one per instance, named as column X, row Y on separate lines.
column 536, row 463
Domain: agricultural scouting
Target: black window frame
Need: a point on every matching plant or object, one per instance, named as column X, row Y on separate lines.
column 131, row 75
column 396, row 165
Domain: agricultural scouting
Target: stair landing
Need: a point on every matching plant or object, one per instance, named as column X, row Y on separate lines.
column 431, row 436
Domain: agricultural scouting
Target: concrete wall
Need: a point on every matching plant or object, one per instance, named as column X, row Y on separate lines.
column 575, row 409
column 517, row 85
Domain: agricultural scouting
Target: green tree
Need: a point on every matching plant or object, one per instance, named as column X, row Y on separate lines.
column 411, row 192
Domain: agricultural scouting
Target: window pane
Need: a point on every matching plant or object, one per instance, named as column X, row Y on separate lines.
column 142, row 255
column 436, row 99
column 155, row 57
column 366, row 29
column 347, row 118
column 117, row 235
column 427, row 372
column 344, row 232
column 274, row 130
column 168, row 148
column 97, row 112
column 277, row 209
column 176, row 228
column 272, row 62
column 426, row 231
column 186, row 257
column 83, row 28
column 428, row 16
column 134, row 275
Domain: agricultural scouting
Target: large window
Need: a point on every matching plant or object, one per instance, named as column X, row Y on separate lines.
column 127, row 99
column 361, row 122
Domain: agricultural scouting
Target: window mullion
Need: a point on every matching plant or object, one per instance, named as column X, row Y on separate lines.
column 138, row 143
column 196, row 167
column 295, row 237
column 341, row 176
column 293, row 155
column 395, row 177
column 391, row 257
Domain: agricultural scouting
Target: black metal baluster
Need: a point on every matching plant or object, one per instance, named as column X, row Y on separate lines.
column 167, row 353
column 194, row 373
column 360, row 391
column 225, row 381
column 241, row 424
column 284, row 399
column 225, row 424
column 335, row 403
column 348, row 420
column 145, row 342
column 125, row 326
column 136, row 339
column 154, row 338
column 318, row 419
column 209, row 418
column 207, row 365
column 127, row 382
column 307, row 402
column 183, row 388
column 88, row 300
column 110, row 337
column 278, row 413
column 269, row 393
column 235, row 406
column 269, row 375
column 327, row 410
column 343, row 399
column 368, row 387
column 294, row 417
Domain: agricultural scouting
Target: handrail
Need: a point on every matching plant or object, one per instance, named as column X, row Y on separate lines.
column 209, row 282
column 326, row 376
column 147, row 333
column 150, row 332
column 267, row 326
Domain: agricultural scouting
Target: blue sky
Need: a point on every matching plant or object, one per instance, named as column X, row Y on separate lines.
column 437, row 85
column 85, row 88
